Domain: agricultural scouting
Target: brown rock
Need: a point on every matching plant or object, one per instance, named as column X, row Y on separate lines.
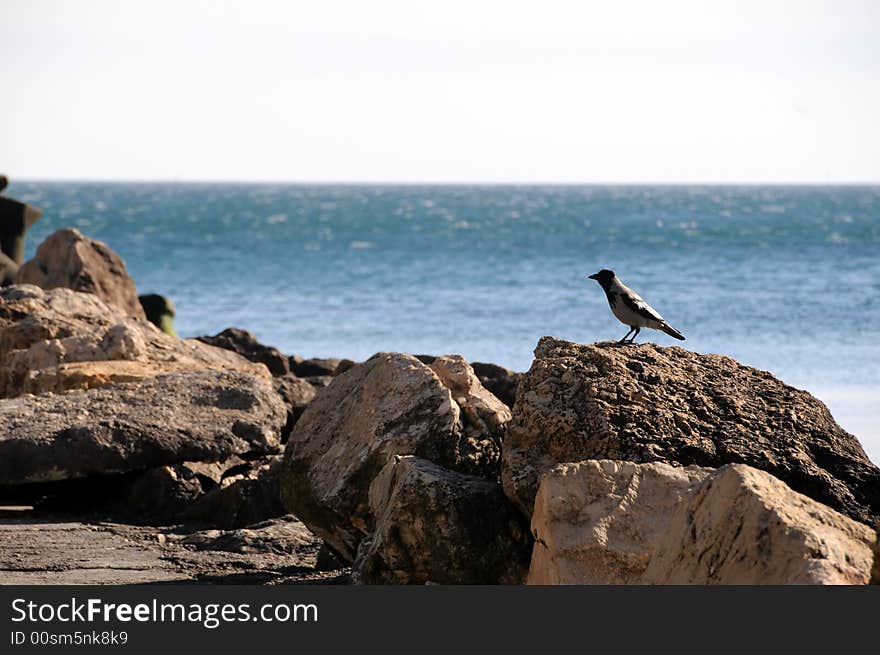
column 53, row 341
column 390, row 405
column 743, row 526
column 645, row 403
column 70, row 260
column 203, row 415
column 436, row 525
column 245, row 344
column 599, row 521
column 607, row 522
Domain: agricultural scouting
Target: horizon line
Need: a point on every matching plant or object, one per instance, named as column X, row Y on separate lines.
column 519, row 183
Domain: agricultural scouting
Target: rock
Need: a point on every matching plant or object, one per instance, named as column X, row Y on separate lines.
column 307, row 368
column 297, row 393
column 159, row 311
column 15, row 220
column 484, row 417
column 249, row 499
column 598, row 522
column 202, row 415
column 35, row 550
column 70, row 260
column 610, row 522
column 318, row 381
column 436, row 525
column 8, row 270
column 499, row 381
column 53, row 341
column 644, row 403
column 390, row 405
column 743, row 526
column 245, row 344
column 328, row 559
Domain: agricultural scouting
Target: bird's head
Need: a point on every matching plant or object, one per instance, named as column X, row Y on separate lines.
column 603, row 277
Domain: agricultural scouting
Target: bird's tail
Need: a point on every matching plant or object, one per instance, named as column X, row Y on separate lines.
column 671, row 331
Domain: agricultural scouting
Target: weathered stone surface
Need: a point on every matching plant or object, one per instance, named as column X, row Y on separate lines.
column 60, row 339
column 484, row 417
column 390, row 405
column 203, row 415
column 744, row 526
column 245, row 344
column 645, row 403
column 436, row 525
column 41, row 550
column 598, row 522
column 612, row 522
column 68, row 259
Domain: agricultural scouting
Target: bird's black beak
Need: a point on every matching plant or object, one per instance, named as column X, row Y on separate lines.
column 594, row 276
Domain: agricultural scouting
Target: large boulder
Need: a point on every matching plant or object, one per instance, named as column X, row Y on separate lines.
column 53, row 341
column 390, row 405
column 744, row 526
column 192, row 416
column 245, row 344
column 611, row 522
column 437, row 525
column 598, row 522
column 644, row 403
column 68, row 259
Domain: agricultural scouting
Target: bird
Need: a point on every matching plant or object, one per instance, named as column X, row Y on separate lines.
column 630, row 309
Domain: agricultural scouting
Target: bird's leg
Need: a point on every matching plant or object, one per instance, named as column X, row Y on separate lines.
column 633, row 337
column 626, row 335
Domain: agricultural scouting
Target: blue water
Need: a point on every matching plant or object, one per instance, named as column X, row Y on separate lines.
column 782, row 278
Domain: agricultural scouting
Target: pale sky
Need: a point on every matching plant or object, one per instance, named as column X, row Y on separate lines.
column 472, row 91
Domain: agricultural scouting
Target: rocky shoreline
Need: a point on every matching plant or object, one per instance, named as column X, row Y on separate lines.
column 128, row 454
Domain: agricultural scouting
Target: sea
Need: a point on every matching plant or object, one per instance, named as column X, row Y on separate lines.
column 782, row 278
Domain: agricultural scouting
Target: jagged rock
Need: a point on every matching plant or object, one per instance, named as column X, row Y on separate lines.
column 499, row 381
column 159, row 311
column 598, row 522
column 744, row 526
column 202, row 415
column 297, row 393
column 245, row 500
column 70, row 260
column 245, row 344
column 436, row 525
column 8, row 270
column 645, row 403
column 316, row 367
column 610, row 522
column 485, row 417
column 53, row 341
column 390, row 405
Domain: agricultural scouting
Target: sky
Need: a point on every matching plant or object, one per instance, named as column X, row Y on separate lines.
column 670, row 91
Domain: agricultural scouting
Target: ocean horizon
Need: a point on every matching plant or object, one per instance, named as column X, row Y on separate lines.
column 785, row 278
